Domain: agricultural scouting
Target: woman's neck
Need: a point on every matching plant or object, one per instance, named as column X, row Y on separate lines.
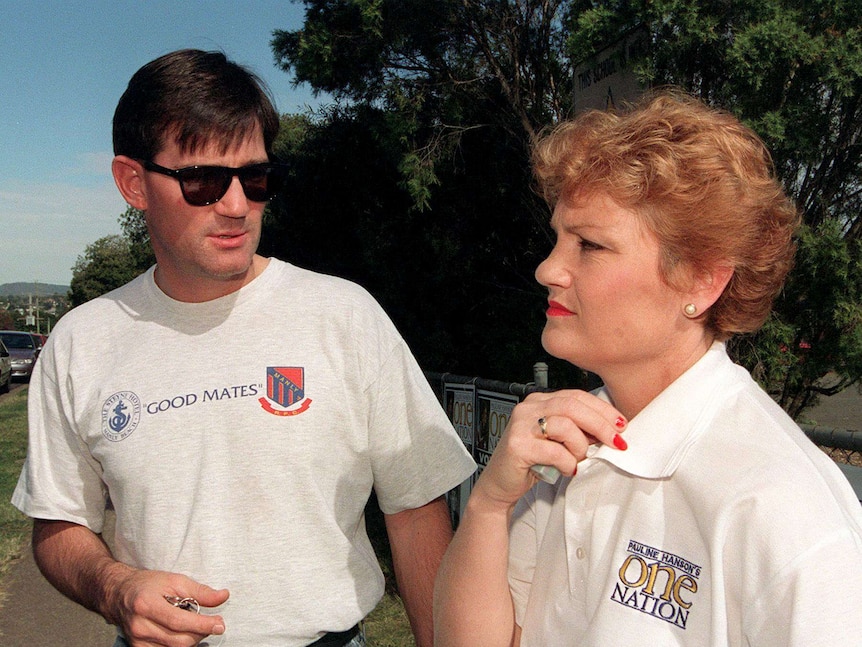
column 632, row 388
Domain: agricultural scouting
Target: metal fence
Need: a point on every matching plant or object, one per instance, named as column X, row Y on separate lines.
column 437, row 380
column 842, row 445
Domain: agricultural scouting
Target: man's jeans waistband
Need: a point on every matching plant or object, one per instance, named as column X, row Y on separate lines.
column 336, row 639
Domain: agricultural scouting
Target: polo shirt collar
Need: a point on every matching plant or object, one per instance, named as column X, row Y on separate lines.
column 663, row 432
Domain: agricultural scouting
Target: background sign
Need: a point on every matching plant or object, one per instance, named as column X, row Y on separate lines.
column 495, row 409
column 460, row 402
column 607, row 80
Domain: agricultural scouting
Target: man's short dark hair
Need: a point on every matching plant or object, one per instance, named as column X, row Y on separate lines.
column 197, row 98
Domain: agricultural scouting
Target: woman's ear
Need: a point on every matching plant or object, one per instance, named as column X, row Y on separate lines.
column 127, row 176
column 708, row 287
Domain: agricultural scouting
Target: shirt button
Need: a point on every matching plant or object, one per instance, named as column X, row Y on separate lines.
column 580, row 553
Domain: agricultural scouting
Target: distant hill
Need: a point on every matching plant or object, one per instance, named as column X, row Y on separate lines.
column 23, row 289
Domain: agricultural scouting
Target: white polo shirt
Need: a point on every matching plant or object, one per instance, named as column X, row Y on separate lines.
column 722, row 524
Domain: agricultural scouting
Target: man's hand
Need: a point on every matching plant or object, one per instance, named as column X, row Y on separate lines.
column 147, row 618
column 80, row 565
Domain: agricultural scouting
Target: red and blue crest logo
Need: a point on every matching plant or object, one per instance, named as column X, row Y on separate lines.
column 285, row 391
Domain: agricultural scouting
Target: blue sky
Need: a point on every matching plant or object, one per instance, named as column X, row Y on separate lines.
column 63, row 66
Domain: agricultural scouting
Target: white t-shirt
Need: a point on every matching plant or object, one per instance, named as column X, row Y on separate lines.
column 720, row 525
column 239, row 440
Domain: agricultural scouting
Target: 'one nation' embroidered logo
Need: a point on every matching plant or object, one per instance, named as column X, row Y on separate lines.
column 285, row 391
column 658, row 583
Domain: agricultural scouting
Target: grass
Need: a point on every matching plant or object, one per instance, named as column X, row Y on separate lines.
column 14, row 526
column 386, row 626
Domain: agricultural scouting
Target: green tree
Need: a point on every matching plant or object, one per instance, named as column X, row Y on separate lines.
column 445, row 67
column 105, row 264
column 449, row 95
column 417, row 183
column 135, row 231
column 112, row 260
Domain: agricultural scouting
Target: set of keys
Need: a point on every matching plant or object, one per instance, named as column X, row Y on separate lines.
column 192, row 605
column 186, row 604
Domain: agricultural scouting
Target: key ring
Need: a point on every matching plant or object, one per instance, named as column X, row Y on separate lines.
column 186, row 604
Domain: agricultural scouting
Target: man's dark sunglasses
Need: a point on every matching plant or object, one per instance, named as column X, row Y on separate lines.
column 203, row 185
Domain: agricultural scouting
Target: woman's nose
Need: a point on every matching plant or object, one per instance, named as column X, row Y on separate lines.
column 552, row 272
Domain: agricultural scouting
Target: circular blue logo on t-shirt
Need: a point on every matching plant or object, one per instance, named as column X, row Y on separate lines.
column 120, row 415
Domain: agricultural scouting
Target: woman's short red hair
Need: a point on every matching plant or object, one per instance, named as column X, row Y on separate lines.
column 702, row 182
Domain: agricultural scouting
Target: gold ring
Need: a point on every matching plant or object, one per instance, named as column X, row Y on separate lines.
column 543, row 425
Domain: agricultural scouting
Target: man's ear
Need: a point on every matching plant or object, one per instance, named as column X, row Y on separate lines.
column 127, row 176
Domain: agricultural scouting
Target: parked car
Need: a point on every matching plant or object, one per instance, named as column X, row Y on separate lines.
column 24, row 349
column 5, row 368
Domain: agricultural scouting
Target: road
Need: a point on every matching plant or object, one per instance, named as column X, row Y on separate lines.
column 33, row 613
column 841, row 411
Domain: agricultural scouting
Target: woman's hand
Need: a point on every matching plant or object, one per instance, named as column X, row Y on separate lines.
column 573, row 420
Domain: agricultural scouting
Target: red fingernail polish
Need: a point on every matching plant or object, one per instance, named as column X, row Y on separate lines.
column 619, row 443
column 620, row 422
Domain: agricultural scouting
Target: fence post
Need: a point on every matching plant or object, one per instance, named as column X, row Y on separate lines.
column 540, row 375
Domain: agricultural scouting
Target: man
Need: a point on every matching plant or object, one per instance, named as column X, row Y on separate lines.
column 236, row 410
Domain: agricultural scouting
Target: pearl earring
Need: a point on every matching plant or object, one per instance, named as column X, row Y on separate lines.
column 690, row 310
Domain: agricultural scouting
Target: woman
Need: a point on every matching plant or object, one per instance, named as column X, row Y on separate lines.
column 711, row 520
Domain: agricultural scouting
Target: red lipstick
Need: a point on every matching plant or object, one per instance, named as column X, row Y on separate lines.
column 557, row 310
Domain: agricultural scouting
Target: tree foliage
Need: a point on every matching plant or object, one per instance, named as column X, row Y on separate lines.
column 445, row 67
column 135, row 231
column 104, row 265
column 417, row 183
column 112, row 260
